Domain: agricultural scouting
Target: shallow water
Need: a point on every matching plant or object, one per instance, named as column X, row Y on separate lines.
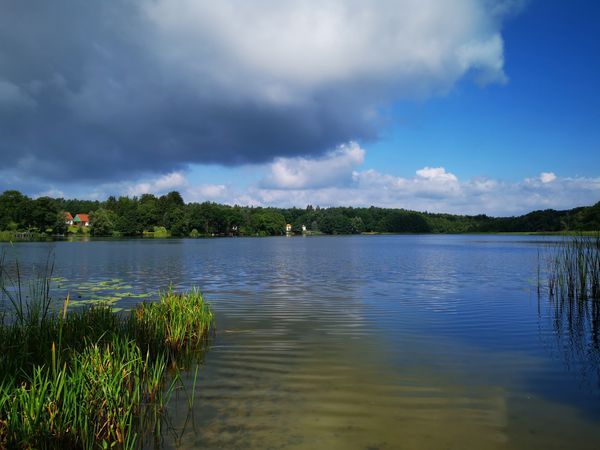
column 362, row 342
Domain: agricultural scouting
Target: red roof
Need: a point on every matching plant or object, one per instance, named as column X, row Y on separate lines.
column 82, row 217
column 68, row 215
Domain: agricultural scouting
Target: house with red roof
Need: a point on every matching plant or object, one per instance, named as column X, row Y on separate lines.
column 82, row 220
column 68, row 218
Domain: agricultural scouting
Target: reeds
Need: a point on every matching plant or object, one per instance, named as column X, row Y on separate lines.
column 166, row 325
column 571, row 281
column 87, row 378
column 574, row 268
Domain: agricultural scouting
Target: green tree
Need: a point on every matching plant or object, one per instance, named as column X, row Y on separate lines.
column 148, row 212
column 268, row 222
column 103, row 222
column 126, row 219
column 177, row 222
column 357, row 225
column 400, row 221
column 335, row 222
column 60, row 225
column 43, row 213
column 14, row 207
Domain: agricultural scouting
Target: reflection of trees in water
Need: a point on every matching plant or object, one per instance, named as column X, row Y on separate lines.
column 573, row 293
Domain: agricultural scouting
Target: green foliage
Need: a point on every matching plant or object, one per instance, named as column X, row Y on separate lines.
column 267, row 222
column 401, row 221
column 125, row 216
column 14, row 209
column 87, row 378
column 60, row 223
column 167, row 325
column 7, row 236
column 177, row 221
column 157, row 232
column 335, row 222
column 161, row 232
column 588, row 218
column 171, row 200
column 103, row 222
column 357, row 225
column 126, row 220
column 43, row 213
column 148, row 211
column 573, row 270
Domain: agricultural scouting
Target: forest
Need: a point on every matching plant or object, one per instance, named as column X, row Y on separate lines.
column 169, row 215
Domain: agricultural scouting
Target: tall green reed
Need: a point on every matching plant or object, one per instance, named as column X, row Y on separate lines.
column 90, row 378
column 573, row 268
column 570, row 279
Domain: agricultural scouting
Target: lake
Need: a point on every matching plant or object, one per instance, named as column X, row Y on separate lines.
column 361, row 342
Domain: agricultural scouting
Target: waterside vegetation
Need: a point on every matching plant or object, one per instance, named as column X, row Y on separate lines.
column 88, row 377
column 168, row 215
column 573, row 269
column 569, row 278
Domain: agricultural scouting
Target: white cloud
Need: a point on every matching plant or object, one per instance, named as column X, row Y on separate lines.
column 547, row 177
column 437, row 174
column 474, row 196
column 169, row 182
column 429, row 182
column 335, row 168
column 432, row 189
column 207, row 192
column 286, row 51
column 339, row 180
column 174, row 180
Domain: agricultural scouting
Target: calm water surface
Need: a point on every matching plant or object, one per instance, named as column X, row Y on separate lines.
column 365, row 342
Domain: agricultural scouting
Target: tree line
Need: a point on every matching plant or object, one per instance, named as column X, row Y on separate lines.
column 132, row 216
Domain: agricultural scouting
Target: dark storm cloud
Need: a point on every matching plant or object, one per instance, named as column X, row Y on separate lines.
column 108, row 90
column 88, row 101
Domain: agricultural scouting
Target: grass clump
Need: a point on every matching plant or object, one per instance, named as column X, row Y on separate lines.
column 166, row 326
column 90, row 378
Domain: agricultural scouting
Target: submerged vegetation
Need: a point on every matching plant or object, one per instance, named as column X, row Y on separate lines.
column 91, row 378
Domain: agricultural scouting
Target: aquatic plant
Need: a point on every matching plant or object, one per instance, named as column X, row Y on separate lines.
column 574, row 268
column 90, row 378
column 178, row 323
column 570, row 280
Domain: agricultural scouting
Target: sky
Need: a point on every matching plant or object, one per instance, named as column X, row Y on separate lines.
column 469, row 106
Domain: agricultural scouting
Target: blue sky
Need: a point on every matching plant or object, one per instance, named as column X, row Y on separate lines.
column 546, row 117
column 468, row 107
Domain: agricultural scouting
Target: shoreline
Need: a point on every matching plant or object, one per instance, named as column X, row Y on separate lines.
column 86, row 238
